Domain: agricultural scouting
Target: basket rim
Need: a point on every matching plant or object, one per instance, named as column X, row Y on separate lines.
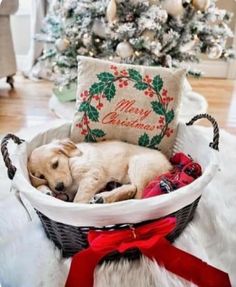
column 154, row 207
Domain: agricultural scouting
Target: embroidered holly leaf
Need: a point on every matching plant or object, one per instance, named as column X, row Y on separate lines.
column 105, row 77
column 83, row 107
column 90, row 138
column 141, row 86
column 155, row 140
column 110, row 91
column 157, row 83
column 158, row 108
column 97, row 88
column 92, row 113
column 170, row 116
column 144, row 140
column 98, row 133
column 135, row 75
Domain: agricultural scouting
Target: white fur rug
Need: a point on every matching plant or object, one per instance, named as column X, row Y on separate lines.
column 29, row 259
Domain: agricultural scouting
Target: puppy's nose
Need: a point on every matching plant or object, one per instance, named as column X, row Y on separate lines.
column 60, row 186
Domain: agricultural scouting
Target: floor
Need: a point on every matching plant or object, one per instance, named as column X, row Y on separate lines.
column 27, row 105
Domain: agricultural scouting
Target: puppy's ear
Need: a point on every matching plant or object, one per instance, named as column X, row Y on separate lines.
column 36, row 181
column 69, row 148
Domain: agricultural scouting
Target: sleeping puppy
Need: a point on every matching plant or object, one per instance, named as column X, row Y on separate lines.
column 84, row 169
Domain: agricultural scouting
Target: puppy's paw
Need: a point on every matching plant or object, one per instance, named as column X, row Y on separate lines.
column 45, row 189
column 97, row 199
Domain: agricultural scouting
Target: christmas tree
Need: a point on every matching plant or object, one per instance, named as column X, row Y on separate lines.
column 170, row 33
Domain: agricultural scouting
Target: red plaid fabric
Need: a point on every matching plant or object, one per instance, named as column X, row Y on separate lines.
column 184, row 171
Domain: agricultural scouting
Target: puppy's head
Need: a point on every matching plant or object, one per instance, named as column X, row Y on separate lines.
column 49, row 165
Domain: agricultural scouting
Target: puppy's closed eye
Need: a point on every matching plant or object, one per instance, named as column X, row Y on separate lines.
column 55, row 164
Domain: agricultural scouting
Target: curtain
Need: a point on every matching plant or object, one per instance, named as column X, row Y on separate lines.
column 38, row 12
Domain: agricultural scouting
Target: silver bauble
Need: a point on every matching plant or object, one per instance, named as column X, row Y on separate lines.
column 124, row 50
column 215, row 51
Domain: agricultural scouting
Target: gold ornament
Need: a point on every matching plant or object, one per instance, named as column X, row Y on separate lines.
column 111, row 11
column 201, row 5
column 153, row 2
column 173, row 7
column 62, row 44
column 148, row 35
column 124, row 50
column 215, row 51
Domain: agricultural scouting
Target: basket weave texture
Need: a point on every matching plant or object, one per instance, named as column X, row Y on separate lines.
column 70, row 239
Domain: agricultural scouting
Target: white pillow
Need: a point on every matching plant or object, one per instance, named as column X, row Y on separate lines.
column 136, row 104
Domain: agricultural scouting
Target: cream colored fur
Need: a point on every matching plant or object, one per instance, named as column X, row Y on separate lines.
column 85, row 169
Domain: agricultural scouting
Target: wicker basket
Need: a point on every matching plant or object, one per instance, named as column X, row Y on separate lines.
column 70, row 237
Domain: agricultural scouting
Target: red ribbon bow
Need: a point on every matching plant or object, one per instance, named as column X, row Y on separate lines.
column 150, row 240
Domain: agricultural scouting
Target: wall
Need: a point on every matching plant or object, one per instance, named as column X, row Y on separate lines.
column 220, row 68
column 229, row 5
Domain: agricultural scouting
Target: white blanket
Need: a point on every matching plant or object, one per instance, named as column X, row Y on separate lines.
column 29, row 259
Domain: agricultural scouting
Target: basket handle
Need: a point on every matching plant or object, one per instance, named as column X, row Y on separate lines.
column 216, row 135
column 11, row 169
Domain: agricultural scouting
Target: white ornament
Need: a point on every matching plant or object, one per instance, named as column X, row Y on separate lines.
column 201, row 5
column 173, row 7
column 124, row 50
column 99, row 28
column 215, row 51
column 111, row 11
column 86, row 39
column 62, row 44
